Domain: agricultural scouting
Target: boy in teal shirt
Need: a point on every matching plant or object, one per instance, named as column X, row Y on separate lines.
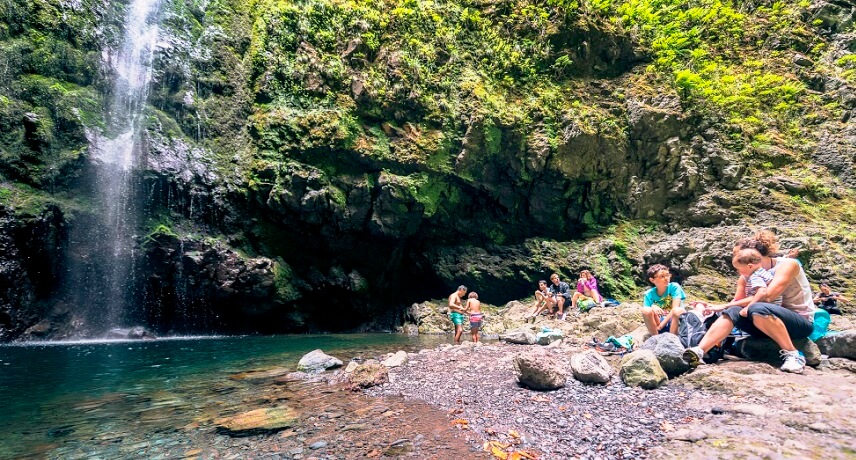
column 663, row 303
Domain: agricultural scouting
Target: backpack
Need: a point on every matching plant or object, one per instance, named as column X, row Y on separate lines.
column 690, row 329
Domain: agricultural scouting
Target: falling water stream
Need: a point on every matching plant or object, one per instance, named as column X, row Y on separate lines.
column 104, row 289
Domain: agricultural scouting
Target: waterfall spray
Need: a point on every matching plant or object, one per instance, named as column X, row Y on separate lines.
column 104, row 284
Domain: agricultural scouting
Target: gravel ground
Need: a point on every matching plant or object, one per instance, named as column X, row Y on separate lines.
column 478, row 384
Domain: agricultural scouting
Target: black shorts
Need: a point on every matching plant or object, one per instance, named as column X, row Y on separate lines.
column 798, row 326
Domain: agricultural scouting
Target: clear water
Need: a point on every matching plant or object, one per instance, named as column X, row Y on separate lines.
column 116, row 399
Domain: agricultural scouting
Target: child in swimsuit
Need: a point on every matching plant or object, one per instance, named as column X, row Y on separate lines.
column 474, row 309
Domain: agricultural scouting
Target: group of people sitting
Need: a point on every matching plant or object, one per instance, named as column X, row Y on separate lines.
column 772, row 299
column 554, row 297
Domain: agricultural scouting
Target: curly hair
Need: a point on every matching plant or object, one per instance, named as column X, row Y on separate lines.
column 765, row 242
column 769, row 240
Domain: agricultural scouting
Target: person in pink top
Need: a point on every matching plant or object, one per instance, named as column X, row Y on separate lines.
column 586, row 290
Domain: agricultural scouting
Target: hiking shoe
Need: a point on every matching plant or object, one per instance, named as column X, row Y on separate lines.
column 794, row 361
column 693, row 356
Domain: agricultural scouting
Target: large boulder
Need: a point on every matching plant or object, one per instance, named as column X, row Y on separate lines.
column 317, row 361
column 539, row 370
column 258, row 421
column 642, row 369
column 368, row 375
column 839, row 345
column 519, row 336
column 669, row 351
column 764, row 349
column 590, row 367
column 429, row 318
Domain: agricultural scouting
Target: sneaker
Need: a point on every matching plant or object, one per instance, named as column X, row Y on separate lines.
column 563, row 316
column 794, row 361
column 693, row 356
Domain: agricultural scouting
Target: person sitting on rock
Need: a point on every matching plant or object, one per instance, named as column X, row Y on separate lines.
column 543, row 301
column 663, row 303
column 561, row 294
column 782, row 323
column 456, row 311
column 587, row 293
column 474, row 309
column 828, row 300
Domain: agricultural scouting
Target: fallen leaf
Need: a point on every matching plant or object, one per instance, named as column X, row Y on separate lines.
column 540, row 398
column 666, row 426
column 587, row 415
column 563, row 408
column 460, row 421
column 373, row 454
column 522, row 454
column 455, row 411
column 514, row 434
column 497, row 449
column 490, row 431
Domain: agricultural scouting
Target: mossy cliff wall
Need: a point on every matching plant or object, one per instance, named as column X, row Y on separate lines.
column 379, row 152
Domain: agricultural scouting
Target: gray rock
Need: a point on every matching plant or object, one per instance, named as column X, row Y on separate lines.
column 590, row 367
column 398, row 359
column 839, row 345
column 669, row 352
column 642, row 369
column 549, row 337
column 519, row 336
column 317, row 361
column 764, row 349
column 802, row 60
column 318, row 445
column 539, row 370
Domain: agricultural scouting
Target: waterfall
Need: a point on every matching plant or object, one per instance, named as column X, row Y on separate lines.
column 104, row 283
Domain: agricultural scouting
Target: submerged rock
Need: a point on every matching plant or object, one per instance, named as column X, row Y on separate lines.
column 131, row 333
column 642, row 369
column 258, row 421
column 317, row 361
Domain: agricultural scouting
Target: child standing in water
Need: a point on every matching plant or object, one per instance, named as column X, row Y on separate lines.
column 474, row 309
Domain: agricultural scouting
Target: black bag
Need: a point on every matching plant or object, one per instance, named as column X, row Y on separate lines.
column 690, row 329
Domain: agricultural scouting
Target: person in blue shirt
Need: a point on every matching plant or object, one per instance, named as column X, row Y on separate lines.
column 663, row 303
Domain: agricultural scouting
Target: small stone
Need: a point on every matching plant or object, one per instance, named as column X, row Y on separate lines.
column 318, row 445
column 717, row 410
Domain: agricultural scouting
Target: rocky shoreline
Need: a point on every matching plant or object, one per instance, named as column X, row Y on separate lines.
column 477, row 384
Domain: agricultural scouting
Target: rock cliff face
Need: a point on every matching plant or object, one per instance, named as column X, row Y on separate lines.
column 320, row 166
